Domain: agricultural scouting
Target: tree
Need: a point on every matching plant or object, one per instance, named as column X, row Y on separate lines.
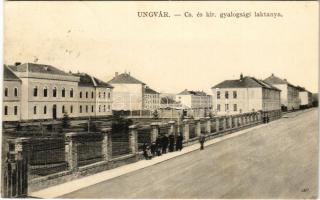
column 66, row 121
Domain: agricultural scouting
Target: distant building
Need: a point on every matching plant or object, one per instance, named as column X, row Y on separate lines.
column 151, row 99
column 289, row 93
column 305, row 97
column 169, row 102
column 46, row 91
column 243, row 95
column 11, row 96
column 94, row 96
column 197, row 101
column 128, row 92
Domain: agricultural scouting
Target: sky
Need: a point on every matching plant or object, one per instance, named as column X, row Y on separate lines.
column 169, row 54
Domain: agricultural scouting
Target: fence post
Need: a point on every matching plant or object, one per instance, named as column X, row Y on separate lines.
column 154, row 131
column 172, row 129
column 133, row 139
column 208, row 125
column 236, row 121
column 224, row 123
column 71, row 151
column 198, row 127
column 217, row 124
column 106, row 153
column 186, row 130
column 230, row 122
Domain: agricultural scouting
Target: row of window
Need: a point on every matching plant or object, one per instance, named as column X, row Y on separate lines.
column 226, row 107
column 226, row 94
column 15, row 110
column 6, row 92
column 63, row 93
column 63, row 109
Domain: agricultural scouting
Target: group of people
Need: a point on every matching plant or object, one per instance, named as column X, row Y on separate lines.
column 162, row 145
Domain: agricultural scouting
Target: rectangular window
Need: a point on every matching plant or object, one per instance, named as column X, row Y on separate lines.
column 15, row 92
column 235, row 94
column 80, row 109
column 218, row 95
column 86, row 108
column 235, row 107
column 226, row 94
column 6, row 110
column 92, row 109
column 6, row 92
column 16, row 110
column 226, row 107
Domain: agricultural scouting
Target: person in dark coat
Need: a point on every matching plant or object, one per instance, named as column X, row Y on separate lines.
column 165, row 142
column 179, row 142
column 153, row 148
column 144, row 149
column 202, row 138
column 171, row 143
column 158, row 146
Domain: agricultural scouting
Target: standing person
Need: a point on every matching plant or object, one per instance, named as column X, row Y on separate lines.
column 158, row 146
column 165, row 142
column 171, row 143
column 153, row 148
column 144, row 149
column 149, row 155
column 179, row 142
column 202, row 138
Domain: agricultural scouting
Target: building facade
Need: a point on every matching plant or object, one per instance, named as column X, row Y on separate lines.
column 289, row 93
column 11, row 96
column 243, row 95
column 305, row 98
column 151, row 99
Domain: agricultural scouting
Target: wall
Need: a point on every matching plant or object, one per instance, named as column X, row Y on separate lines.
column 11, row 101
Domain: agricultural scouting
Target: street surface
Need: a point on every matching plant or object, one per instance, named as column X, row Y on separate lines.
column 276, row 161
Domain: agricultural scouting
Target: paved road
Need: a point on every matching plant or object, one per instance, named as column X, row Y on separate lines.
column 276, row 161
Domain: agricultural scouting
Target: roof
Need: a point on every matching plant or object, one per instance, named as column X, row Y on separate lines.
column 88, row 80
column 38, row 68
column 8, row 75
column 245, row 82
column 190, row 92
column 125, row 78
column 276, row 80
column 167, row 100
column 150, row 91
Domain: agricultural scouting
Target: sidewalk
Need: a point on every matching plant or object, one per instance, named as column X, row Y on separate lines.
column 68, row 187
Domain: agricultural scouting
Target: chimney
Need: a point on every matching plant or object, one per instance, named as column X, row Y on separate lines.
column 116, row 74
column 17, row 63
column 241, row 76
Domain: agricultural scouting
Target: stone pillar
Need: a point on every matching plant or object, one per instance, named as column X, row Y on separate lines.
column 172, row 129
column 217, row 124
column 186, row 129
column 224, row 123
column 236, row 121
column 106, row 148
column 230, row 122
column 208, row 125
column 133, row 139
column 154, row 131
column 71, row 151
column 198, row 127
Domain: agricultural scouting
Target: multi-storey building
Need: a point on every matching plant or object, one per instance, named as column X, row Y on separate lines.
column 305, row 97
column 198, row 102
column 289, row 93
column 151, row 99
column 11, row 96
column 94, row 96
column 128, row 92
column 246, row 94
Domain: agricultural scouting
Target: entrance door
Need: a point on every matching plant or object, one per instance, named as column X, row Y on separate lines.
column 54, row 111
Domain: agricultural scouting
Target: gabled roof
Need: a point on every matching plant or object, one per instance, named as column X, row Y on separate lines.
column 88, row 80
column 125, row 78
column 8, row 75
column 245, row 82
column 38, row 68
column 274, row 80
column 190, row 92
column 150, row 91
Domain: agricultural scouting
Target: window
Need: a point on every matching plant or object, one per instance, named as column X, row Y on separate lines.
column 45, row 110
column 80, row 109
column 63, row 92
column 71, row 109
column 45, row 91
column 6, row 92
column 71, row 92
column 63, row 109
column 80, row 95
column 35, row 110
column 109, row 95
column 104, row 108
column 235, row 107
column 86, row 108
column 99, row 108
column 92, row 95
column 54, row 92
column 86, row 95
column 218, row 107
column 6, row 110
column 235, row 94
column 15, row 110
column 226, row 94
column 226, row 107
column 218, row 95
column 92, row 108
column 35, row 91
column 99, row 94
column 104, row 95
column 15, row 92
